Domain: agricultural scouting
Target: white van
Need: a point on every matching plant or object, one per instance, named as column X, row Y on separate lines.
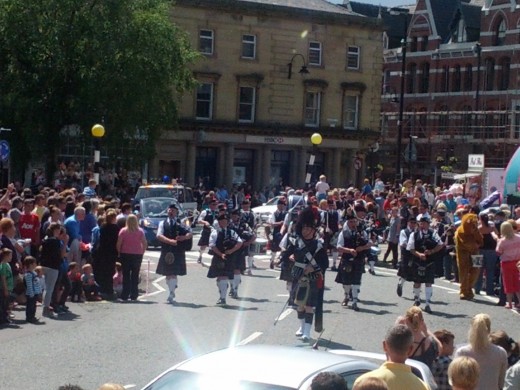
column 184, row 195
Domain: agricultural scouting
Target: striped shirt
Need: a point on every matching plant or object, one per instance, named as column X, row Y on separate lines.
column 32, row 283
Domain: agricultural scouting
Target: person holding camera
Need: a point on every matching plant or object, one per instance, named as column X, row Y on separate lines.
column 424, row 244
column 224, row 243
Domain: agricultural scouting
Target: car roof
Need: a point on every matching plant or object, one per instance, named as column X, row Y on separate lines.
column 287, row 366
column 163, row 186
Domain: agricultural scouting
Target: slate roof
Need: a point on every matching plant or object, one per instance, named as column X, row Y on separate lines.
column 320, row 10
column 315, row 5
column 393, row 24
column 443, row 12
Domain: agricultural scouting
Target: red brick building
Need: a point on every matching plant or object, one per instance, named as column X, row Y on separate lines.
column 462, row 92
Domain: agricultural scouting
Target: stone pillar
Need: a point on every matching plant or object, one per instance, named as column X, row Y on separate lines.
column 228, row 165
column 189, row 169
column 301, row 168
column 266, row 165
column 336, row 177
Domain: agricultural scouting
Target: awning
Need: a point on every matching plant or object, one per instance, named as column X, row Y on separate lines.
column 467, row 175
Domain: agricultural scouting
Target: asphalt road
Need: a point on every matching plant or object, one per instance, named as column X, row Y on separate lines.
column 133, row 342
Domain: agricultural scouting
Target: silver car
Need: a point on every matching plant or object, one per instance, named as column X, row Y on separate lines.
column 258, row 367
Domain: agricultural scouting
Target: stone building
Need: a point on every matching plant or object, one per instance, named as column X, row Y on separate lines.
column 254, row 111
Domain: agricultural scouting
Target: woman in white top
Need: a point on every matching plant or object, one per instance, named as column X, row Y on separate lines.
column 322, row 187
column 491, row 358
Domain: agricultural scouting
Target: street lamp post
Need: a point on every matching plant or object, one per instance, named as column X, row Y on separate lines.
column 303, row 69
column 477, row 49
column 98, row 131
column 403, row 12
column 316, row 141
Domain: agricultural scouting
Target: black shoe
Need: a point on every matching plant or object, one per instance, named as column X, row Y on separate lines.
column 372, row 272
column 427, row 309
column 230, row 294
column 234, row 295
column 221, row 301
column 199, row 260
column 417, row 302
column 399, row 290
column 271, row 265
column 345, row 302
column 254, row 266
column 355, row 306
column 333, row 268
column 34, row 321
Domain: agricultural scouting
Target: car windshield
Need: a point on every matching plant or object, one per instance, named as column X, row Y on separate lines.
column 179, row 193
column 153, row 208
column 179, row 380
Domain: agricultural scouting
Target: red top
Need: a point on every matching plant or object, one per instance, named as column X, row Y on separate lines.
column 29, row 227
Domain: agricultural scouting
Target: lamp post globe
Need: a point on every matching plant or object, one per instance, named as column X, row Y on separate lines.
column 98, row 131
column 316, row 139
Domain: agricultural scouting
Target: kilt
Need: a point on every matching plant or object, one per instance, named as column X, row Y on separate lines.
column 172, row 262
column 423, row 271
column 350, row 271
column 221, row 268
column 204, row 237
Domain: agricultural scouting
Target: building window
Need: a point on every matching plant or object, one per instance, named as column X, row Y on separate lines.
column 444, row 119
column 353, row 57
column 468, row 78
column 424, row 43
column 445, row 81
column 425, row 78
column 312, row 108
column 204, row 104
column 505, row 71
column 489, row 77
column 249, row 46
column 455, row 86
column 500, row 33
column 412, row 76
column 413, row 44
column 206, row 42
column 315, row 53
column 246, row 105
column 386, row 82
column 350, row 112
column 466, row 120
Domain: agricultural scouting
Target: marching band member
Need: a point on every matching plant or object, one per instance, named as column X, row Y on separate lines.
column 275, row 223
column 310, row 263
column 176, row 239
column 424, row 244
column 405, row 265
column 248, row 217
column 248, row 237
column 224, row 243
column 206, row 219
column 352, row 245
column 330, row 223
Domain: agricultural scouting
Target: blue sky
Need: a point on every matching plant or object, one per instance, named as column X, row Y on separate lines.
column 385, row 3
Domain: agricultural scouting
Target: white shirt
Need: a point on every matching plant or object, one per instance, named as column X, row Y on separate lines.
column 322, row 187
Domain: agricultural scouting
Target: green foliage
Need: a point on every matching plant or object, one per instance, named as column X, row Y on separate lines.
column 83, row 61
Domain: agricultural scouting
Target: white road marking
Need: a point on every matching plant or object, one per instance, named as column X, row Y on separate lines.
column 250, row 338
column 285, row 314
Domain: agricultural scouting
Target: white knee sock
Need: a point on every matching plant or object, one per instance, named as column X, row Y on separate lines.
column 288, row 285
column 250, row 262
column 428, row 291
column 334, row 258
column 401, row 281
column 236, row 281
column 347, row 288
column 371, row 264
column 222, row 288
column 355, row 292
column 273, row 255
column 417, row 292
column 172, row 285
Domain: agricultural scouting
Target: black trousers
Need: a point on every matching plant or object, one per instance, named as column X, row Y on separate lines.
column 30, row 308
column 131, row 265
column 64, row 285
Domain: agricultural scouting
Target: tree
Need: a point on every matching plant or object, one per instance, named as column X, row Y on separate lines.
column 78, row 62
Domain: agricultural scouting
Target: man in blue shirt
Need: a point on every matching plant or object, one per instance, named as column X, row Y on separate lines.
column 72, row 226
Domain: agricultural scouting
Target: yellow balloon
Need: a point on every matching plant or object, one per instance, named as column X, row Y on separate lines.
column 316, row 139
column 98, row 131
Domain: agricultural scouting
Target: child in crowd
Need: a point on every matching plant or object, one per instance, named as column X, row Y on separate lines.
column 76, row 290
column 41, row 279
column 464, row 373
column 6, row 285
column 90, row 287
column 118, row 279
column 33, row 289
column 442, row 362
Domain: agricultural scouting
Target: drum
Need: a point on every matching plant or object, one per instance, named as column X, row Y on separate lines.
column 258, row 247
